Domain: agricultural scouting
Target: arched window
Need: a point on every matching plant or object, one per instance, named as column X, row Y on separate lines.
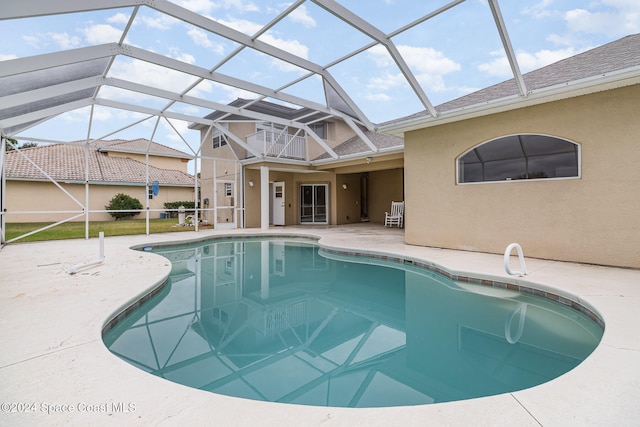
column 519, row 157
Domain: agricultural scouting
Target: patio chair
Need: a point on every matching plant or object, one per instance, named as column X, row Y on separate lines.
column 396, row 217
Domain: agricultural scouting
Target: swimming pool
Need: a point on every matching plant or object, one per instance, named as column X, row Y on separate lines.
column 281, row 320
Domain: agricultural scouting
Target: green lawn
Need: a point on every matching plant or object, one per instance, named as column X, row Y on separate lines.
column 75, row 230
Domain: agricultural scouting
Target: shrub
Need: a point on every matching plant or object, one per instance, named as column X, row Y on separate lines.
column 122, row 202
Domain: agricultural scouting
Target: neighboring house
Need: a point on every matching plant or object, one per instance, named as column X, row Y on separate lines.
column 116, row 166
column 341, row 174
column 558, row 174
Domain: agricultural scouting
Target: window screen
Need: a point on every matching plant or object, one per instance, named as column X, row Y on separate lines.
column 520, row 157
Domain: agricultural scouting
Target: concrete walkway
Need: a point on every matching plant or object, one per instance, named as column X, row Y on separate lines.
column 55, row 369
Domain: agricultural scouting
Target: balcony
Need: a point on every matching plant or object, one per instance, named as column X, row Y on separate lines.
column 278, row 144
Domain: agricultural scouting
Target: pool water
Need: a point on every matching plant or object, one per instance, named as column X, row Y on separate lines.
column 279, row 320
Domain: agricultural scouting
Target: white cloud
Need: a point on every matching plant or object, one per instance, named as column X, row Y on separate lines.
column 198, row 6
column 101, row 33
column 428, row 65
column 233, row 93
column 64, row 40
column 301, row 16
column 613, row 18
column 527, row 61
column 118, row 18
column 539, row 10
column 240, row 5
column 381, row 97
column 242, row 25
column 159, row 22
column 33, row 41
column 623, row 20
column 7, row 57
column 151, row 75
column 292, row 46
column 201, row 38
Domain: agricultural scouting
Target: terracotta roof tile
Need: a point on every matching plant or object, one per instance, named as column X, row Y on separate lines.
column 64, row 162
column 139, row 146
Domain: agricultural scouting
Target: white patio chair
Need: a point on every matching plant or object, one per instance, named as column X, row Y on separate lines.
column 396, row 217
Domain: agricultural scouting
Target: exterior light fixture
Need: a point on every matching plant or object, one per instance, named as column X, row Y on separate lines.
column 369, row 160
column 250, row 183
column 344, row 186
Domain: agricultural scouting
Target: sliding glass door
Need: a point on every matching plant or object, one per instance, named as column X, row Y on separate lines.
column 313, row 203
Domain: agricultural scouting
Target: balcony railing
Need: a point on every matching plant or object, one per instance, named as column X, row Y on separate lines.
column 277, row 144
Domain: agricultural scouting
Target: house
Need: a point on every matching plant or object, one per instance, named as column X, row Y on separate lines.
column 557, row 174
column 333, row 172
column 47, row 183
column 554, row 168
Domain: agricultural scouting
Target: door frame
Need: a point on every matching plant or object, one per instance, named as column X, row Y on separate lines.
column 277, row 207
column 326, row 200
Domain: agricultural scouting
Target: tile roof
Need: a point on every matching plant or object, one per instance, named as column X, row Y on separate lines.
column 617, row 55
column 139, row 146
column 64, row 162
column 355, row 145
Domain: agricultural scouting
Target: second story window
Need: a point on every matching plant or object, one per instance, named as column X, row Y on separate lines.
column 319, row 129
column 219, row 139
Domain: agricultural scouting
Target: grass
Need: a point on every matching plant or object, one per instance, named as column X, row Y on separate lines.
column 76, row 230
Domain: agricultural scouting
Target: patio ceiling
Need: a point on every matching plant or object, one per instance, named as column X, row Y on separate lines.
column 38, row 88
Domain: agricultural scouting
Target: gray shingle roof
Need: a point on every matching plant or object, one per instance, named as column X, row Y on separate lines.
column 355, row 145
column 617, row 55
column 67, row 163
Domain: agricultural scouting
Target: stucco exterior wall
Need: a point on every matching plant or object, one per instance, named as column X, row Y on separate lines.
column 45, row 196
column 337, row 133
column 385, row 186
column 594, row 219
column 225, row 170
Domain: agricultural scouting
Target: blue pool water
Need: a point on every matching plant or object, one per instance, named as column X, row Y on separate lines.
column 279, row 320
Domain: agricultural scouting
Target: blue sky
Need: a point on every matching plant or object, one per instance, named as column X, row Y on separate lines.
column 452, row 54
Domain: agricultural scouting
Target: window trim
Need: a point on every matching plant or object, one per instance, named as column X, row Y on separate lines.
column 562, row 178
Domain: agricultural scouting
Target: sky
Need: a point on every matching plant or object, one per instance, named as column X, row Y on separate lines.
column 452, row 54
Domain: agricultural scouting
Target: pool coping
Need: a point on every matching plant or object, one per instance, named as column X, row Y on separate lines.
column 600, row 391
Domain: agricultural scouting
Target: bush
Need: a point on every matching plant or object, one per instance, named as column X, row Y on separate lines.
column 122, row 202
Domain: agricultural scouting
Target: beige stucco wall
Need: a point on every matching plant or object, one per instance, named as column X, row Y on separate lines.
column 45, row 196
column 594, row 219
column 384, row 186
column 226, row 169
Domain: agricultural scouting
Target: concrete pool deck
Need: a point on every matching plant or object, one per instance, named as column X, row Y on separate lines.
column 55, row 369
